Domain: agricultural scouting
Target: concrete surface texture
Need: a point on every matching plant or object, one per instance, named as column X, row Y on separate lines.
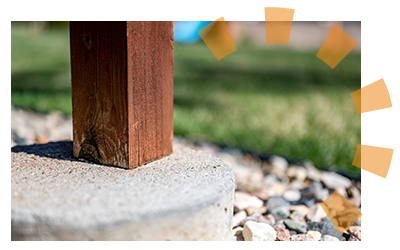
column 185, row 196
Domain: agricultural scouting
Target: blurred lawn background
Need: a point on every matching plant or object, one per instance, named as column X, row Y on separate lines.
column 267, row 99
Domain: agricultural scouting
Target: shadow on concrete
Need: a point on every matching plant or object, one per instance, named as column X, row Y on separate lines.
column 61, row 150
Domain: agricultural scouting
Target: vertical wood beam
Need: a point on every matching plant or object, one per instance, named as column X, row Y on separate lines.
column 122, row 91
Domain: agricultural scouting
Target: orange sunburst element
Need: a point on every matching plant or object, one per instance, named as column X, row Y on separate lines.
column 340, row 211
column 217, row 37
column 371, row 97
column 222, row 18
column 336, row 46
column 375, row 160
column 278, row 23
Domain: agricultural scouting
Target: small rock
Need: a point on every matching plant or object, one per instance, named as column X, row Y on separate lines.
column 335, row 181
column 273, row 185
column 270, row 180
column 295, row 184
column 282, row 234
column 356, row 202
column 280, row 224
column 355, row 236
column 254, row 231
column 270, row 219
column 313, row 173
column 306, row 202
column 260, row 210
column 315, row 234
column 237, row 231
column 327, row 237
column 243, row 200
column 275, row 202
column 237, row 218
column 325, row 227
column 292, row 232
column 254, row 217
column 246, row 178
column 316, row 213
column 279, row 162
column 238, row 234
column 276, row 189
column 302, row 237
column 297, row 172
column 342, row 191
column 354, row 192
column 280, row 213
column 255, row 202
column 353, row 229
column 292, row 195
column 299, row 218
column 315, row 192
column 299, row 208
column 290, row 224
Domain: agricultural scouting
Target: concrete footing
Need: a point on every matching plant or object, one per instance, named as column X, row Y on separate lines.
column 185, row 196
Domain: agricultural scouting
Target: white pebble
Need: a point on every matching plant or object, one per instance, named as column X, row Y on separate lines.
column 329, row 238
column 254, row 231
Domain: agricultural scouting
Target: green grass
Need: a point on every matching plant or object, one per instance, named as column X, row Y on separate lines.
column 266, row 99
column 270, row 100
column 40, row 70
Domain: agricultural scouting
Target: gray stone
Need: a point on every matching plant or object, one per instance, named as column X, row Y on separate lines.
column 325, row 227
column 275, row 202
column 315, row 192
column 187, row 195
column 280, row 213
column 280, row 224
column 290, row 224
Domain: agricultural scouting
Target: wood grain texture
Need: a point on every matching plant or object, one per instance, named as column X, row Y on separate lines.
column 150, row 90
column 122, row 91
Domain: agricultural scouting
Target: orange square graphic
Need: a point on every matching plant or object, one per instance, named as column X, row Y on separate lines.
column 336, row 46
column 375, row 160
column 277, row 32
column 217, row 37
column 278, row 14
column 375, row 96
column 371, row 97
column 340, row 211
column 356, row 96
column 278, row 24
column 357, row 157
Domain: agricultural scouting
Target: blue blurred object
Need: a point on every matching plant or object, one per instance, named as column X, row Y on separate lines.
column 186, row 31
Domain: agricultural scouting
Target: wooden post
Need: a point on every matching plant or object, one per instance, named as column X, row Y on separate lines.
column 122, row 91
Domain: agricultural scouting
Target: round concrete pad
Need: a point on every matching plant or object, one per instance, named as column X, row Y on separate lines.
column 185, row 196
